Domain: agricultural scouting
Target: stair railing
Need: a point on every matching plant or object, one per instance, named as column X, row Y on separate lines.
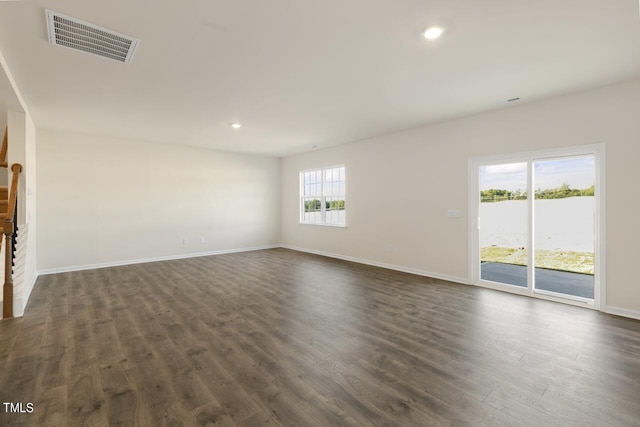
column 9, row 233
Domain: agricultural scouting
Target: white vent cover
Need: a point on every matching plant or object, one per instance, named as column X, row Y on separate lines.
column 85, row 37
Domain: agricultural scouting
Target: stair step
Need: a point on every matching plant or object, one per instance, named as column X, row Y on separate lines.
column 4, row 192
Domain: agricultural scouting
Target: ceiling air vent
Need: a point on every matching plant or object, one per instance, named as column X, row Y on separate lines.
column 85, row 37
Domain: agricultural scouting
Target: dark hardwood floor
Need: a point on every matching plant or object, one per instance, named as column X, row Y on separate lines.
column 278, row 337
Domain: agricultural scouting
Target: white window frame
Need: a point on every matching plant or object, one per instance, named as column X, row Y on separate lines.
column 323, row 197
column 598, row 151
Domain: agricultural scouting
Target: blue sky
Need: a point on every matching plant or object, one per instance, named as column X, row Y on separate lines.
column 578, row 172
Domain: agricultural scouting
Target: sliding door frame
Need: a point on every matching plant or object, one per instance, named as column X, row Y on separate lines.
column 598, row 151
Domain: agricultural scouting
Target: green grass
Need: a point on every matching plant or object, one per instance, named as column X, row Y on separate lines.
column 576, row 262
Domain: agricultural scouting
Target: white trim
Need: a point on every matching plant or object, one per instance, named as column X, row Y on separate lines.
column 531, row 227
column 474, row 219
column 581, row 300
column 155, row 259
column 548, row 153
column 20, row 303
column 418, row 272
column 624, row 312
column 601, row 227
column 323, row 225
column 27, row 291
column 522, row 291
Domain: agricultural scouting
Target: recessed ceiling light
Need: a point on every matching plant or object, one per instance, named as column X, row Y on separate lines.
column 236, row 125
column 433, row 33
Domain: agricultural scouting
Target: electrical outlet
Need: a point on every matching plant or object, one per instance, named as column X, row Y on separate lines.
column 185, row 241
column 202, row 240
column 453, row 213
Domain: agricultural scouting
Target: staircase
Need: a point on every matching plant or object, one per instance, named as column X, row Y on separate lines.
column 8, row 216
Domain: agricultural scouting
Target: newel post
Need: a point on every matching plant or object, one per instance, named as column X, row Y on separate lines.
column 7, row 289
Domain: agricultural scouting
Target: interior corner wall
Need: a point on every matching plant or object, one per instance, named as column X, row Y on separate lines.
column 28, row 193
column 400, row 186
column 3, row 117
column 3, row 124
column 107, row 201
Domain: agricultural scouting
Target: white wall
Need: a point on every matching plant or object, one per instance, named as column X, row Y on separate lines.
column 28, row 194
column 21, row 149
column 104, row 200
column 3, row 116
column 400, row 186
column 3, row 124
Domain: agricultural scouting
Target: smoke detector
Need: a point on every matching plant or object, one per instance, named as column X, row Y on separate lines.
column 89, row 38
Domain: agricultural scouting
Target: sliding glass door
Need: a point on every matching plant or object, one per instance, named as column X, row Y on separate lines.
column 564, row 228
column 535, row 224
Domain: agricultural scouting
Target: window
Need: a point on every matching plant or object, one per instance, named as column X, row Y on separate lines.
column 322, row 196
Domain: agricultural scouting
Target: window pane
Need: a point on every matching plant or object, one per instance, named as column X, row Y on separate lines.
column 311, row 204
column 503, row 219
column 335, row 210
column 312, row 207
column 564, row 224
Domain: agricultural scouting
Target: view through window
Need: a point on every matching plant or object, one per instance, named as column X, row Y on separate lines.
column 558, row 226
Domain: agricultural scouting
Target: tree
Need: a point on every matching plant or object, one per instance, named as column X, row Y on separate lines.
column 562, row 192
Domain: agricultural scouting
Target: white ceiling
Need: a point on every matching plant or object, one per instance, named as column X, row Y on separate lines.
column 300, row 73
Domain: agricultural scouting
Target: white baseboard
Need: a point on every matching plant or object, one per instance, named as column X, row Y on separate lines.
column 27, row 290
column 624, row 312
column 401, row 268
column 20, row 302
column 145, row 260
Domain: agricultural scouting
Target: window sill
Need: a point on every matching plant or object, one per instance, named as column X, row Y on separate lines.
column 324, row 225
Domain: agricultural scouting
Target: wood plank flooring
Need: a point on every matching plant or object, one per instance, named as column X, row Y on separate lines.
column 278, row 337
